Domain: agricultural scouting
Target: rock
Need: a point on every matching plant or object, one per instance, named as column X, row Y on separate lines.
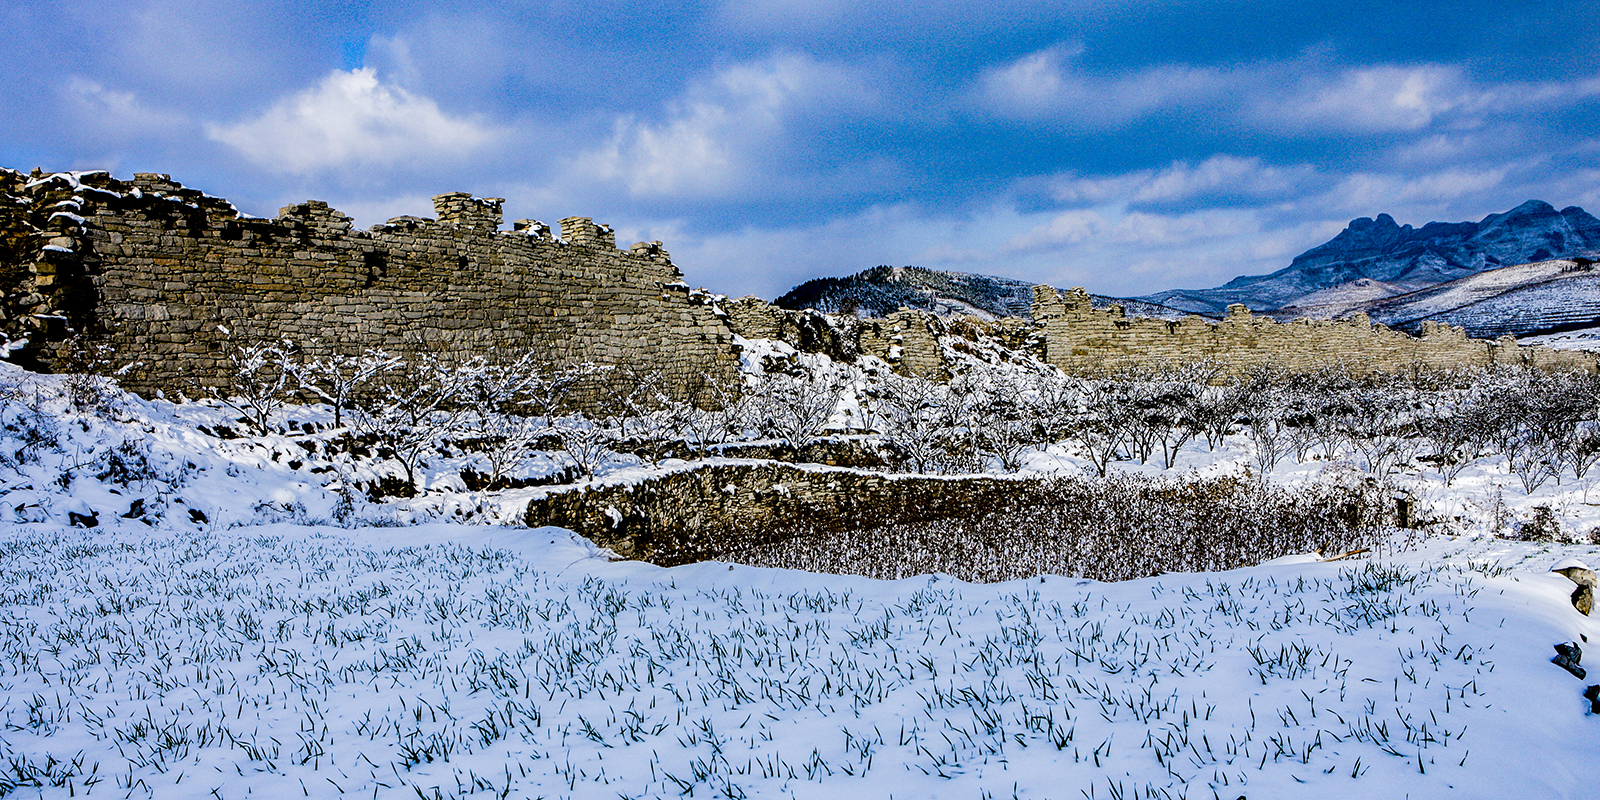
column 1568, row 654
column 1592, row 694
column 83, row 520
column 1576, row 571
column 1583, row 598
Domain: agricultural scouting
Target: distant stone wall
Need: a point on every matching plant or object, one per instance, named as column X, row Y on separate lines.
column 167, row 275
column 1081, row 339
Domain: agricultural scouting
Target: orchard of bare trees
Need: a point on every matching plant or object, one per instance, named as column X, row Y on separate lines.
column 990, row 417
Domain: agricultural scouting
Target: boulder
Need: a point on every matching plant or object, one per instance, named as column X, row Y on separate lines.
column 1568, row 654
column 1583, row 598
column 1576, row 571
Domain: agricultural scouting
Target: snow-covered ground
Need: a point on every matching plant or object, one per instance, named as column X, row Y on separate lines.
column 447, row 660
column 1582, row 339
column 239, row 623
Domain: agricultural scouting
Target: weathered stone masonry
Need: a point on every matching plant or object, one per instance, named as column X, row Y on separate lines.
column 166, row 275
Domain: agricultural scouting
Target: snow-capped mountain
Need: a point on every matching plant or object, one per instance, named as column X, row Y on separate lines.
column 1389, row 256
column 884, row 290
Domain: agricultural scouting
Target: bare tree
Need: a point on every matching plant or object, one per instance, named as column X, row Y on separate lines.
column 257, row 381
column 1103, row 427
column 915, row 419
column 796, row 406
column 421, row 403
column 337, row 377
column 585, row 441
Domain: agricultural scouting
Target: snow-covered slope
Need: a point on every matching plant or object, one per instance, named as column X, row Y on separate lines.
column 445, row 661
column 1336, row 301
column 1519, row 300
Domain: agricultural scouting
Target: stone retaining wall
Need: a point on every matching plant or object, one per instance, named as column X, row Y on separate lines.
column 703, row 511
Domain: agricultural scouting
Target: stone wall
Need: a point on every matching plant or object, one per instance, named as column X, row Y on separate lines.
column 167, row 275
column 706, row 510
column 1081, row 339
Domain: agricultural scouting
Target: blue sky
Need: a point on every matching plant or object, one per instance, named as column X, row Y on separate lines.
column 1123, row 147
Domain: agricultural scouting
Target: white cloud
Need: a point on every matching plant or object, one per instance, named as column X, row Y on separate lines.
column 1380, row 99
column 1304, row 95
column 1218, row 175
column 352, row 119
column 1418, row 196
column 1047, row 85
column 726, row 133
column 1387, row 98
column 1117, row 225
column 111, row 111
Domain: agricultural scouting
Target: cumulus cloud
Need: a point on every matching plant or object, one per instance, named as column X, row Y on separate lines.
column 352, row 119
column 727, row 132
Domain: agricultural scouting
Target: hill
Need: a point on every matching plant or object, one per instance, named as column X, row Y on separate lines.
column 884, row 290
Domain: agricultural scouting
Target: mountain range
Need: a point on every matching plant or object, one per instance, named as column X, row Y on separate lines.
column 1528, row 270
column 1395, row 259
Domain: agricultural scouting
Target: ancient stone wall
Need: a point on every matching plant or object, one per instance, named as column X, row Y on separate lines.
column 1081, row 339
column 168, row 276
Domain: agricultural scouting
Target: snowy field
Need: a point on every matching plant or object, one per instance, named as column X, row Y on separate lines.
column 240, row 623
column 445, row 661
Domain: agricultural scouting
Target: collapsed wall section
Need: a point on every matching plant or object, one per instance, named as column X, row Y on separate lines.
column 168, row 276
column 907, row 339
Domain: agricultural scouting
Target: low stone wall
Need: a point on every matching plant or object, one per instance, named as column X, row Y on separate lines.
column 702, row 511
column 1070, row 333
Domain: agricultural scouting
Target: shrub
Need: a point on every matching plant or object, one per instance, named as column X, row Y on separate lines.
column 1125, row 526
